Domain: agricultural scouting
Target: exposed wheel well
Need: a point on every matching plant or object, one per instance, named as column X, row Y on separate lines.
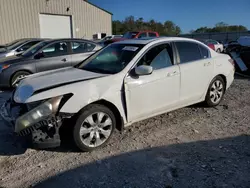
column 113, row 108
column 224, row 79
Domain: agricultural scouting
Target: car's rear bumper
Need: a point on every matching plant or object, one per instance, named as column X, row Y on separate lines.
column 45, row 134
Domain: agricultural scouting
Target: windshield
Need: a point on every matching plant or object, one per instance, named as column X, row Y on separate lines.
column 31, row 51
column 16, row 44
column 106, row 38
column 111, row 59
column 13, row 42
column 130, row 35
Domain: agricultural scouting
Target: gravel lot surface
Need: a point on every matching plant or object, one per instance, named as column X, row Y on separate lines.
column 190, row 147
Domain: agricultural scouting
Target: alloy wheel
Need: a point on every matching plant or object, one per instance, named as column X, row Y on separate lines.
column 216, row 91
column 17, row 80
column 96, row 129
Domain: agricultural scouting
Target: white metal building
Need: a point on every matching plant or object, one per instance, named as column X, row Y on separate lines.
column 52, row 19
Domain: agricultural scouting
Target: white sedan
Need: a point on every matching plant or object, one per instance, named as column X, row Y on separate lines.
column 218, row 47
column 125, row 82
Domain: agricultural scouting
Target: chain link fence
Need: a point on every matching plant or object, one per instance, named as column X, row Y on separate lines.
column 223, row 37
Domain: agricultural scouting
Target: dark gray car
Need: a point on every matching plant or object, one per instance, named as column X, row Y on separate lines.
column 44, row 56
column 17, row 46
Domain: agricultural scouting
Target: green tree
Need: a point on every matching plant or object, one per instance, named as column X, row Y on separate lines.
column 177, row 30
column 130, row 24
column 221, row 27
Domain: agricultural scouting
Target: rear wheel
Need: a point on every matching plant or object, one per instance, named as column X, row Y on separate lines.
column 218, row 50
column 215, row 91
column 17, row 77
column 94, row 127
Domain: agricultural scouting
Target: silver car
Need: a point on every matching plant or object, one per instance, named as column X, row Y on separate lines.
column 17, row 47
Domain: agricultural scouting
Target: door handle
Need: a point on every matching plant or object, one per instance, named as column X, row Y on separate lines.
column 207, row 64
column 172, row 73
column 64, row 59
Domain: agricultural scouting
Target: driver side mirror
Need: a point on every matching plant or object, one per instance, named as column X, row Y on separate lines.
column 19, row 50
column 143, row 70
column 39, row 55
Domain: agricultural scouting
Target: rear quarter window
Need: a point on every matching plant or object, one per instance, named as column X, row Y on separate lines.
column 204, row 52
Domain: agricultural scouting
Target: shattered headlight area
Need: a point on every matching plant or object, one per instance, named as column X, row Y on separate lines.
column 40, row 120
column 39, row 113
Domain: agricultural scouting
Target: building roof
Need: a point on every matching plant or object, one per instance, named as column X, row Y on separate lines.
column 98, row 7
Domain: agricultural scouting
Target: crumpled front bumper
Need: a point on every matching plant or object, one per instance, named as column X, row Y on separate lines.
column 45, row 134
column 5, row 114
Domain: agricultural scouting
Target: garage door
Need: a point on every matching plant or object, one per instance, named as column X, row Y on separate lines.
column 55, row 26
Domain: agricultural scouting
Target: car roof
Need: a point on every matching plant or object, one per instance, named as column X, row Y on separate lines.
column 31, row 39
column 148, row 40
column 70, row 39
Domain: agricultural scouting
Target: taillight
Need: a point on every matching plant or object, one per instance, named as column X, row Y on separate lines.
column 211, row 46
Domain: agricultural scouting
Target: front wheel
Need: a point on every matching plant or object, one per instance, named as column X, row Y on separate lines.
column 215, row 91
column 94, row 127
column 17, row 77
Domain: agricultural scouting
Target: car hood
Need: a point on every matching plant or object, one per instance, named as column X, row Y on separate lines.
column 51, row 79
column 12, row 59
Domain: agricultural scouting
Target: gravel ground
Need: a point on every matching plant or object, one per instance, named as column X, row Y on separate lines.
column 190, row 147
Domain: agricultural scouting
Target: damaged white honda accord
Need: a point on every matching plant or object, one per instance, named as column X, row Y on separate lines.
column 123, row 83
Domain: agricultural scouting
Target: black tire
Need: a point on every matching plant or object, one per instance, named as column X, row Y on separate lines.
column 218, row 50
column 209, row 102
column 88, row 111
column 15, row 76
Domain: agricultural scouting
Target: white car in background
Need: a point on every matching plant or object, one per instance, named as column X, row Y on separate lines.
column 217, row 46
column 109, row 37
column 121, row 84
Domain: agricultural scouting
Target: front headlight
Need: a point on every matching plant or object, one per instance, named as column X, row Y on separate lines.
column 37, row 114
column 10, row 54
column 2, row 67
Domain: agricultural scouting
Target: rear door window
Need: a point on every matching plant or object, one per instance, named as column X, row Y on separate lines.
column 82, row 47
column 188, row 51
column 55, row 49
column 158, row 57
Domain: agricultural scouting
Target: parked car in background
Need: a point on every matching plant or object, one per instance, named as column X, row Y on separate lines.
column 218, row 47
column 140, row 34
column 46, row 55
column 133, row 35
column 17, row 47
column 11, row 43
column 240, row 51
column 126, row 82
column 211, row 46
column 231, row 45
column 107, row 38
